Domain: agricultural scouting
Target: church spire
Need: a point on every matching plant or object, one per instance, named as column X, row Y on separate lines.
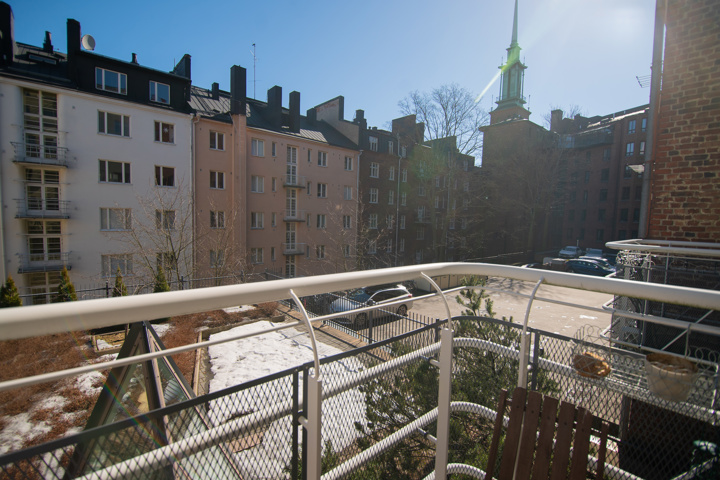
column 511, row 99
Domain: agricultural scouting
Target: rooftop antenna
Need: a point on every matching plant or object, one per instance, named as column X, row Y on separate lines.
column 254, row 69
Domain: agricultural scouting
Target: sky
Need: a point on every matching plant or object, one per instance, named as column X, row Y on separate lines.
column 584, row 53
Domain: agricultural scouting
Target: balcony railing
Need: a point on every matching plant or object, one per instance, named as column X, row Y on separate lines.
column 361, row 407
column 42, row 208
column 294, row 248
column 44, row 262
column 40, row 154
column 294, row 216
column 294, row 181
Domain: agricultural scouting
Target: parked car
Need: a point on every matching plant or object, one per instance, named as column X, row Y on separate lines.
column 601, row 261
column 368, row 296
column 588, row 267
column 594, row 253
column 570, row 252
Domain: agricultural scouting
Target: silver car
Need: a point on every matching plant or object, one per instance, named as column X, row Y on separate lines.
column 369, row 296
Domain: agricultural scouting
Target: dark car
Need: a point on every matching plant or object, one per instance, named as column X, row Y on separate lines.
column 365, row 297
column 588, row 267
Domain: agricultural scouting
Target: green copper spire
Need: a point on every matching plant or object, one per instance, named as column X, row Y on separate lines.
column 514, row 41
column 511, row 83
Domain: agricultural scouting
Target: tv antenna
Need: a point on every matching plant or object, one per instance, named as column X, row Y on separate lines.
column 254, row 69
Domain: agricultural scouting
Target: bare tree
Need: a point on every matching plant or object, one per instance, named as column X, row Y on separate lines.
column 448, row 111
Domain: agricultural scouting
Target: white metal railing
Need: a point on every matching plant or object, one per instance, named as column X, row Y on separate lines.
column 31, row 321
column 668, row 247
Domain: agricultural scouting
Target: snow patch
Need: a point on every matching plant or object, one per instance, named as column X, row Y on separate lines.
column 18, row 430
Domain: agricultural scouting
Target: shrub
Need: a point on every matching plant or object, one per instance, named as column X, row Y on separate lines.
column 66, row 290
column 119, row 290
column 9, row 294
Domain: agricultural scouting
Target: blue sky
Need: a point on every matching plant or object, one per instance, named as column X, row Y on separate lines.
column 578, row 52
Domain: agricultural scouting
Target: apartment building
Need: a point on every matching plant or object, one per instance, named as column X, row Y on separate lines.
column 95, row 163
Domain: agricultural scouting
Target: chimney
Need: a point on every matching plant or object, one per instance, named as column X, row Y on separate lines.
column 73, row 36
column 295, row 112
column 183, row 67
column 311, row 115
column 47, row 44
column 360, row 119
column 238, row 90
column 216, row 91
column 7, row 35
column 555, row 120
column 134, row 58
column 274, row 111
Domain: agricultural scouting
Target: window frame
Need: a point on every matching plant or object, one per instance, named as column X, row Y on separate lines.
column 217, row 180
column 373, row 195
column 322, row 159
column 155, row 96
column 103, row 124
column 124, row 261
column 373, row 141
column 348, row 163
column 106, row 217
column 165, row 219
column 217, row 219
column 257, row 255
column 102, row 84
column 160, row 176
column 217, row 141
column 322, row 190
column 373, row 221
column 257, row 184
column 104, row 172
column 348, row 192
column 257, row 220
column 321, row 221
column 257, row 147
column 374, row 170
column 159, row 133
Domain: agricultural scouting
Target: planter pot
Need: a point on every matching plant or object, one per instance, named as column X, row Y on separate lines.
column 669, row 377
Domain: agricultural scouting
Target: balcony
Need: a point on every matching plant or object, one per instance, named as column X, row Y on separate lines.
column 42, row 208
column 417, row 404
column 33, row 154
column 294, row 216
column 44, row 262
column 294, row 181
column 294, row 248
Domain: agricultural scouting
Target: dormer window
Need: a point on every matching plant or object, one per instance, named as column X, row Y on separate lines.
column 159, row 92
column 110, row 81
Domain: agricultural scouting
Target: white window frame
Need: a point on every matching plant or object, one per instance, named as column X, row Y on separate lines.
column 373, row 221
column 373, row 143
column 321, row 222
column 630, row 149
column 115, row 219
column 110, row 263
column 372, row 247
column 421, row 190
column 103, row 124
column 348, row 163
column 160, row 176
column 217, row 219
column 347, row 222
column 420, row 233
column 391, row 197
column 402, row 222
column 322, row 190
column 104, row 171
column 390, row 147
column 217, row 141
column 156, row 94
column 257, row 184
column 273, row 150
column 217, row 180
column 217, row 258
column 373, row 195
column 320, row 252
column 257, row 220
column 322, row 159
column 160, row 136
column 401, row 245
column 101, row 81
column 374, row 170
column 403, row 176
column 391, row 175
column 257, row 255
column 348, row 192
column 346, row 250
column 403, row 199
column 257, row 147
column 165, row 219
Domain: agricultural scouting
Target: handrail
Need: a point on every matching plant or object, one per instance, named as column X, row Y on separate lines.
column 668, row 247
column 31, row 321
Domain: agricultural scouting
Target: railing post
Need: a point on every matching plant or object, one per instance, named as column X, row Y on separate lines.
column 107, row 289
column 313, row 412
column 295, row 461
column 444, row 391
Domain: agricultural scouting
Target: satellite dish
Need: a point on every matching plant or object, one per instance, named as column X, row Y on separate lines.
column 88, row 42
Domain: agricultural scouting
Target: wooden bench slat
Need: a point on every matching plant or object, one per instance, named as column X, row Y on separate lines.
column 495, row 444
column 529, row 436
column 561, row 460
column 512, row 437
column 581, row 445
column 602, row 451
column 544, row 449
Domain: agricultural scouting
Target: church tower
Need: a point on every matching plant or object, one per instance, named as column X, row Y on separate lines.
column 511, row 103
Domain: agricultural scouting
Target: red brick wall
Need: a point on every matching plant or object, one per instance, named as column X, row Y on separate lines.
column 685, row 201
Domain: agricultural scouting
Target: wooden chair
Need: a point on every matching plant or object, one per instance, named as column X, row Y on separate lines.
column 539, row 434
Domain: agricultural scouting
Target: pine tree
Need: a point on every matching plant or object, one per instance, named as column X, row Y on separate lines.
column 120, row 290
column 9, row 296
column 161, row 284
column 66, row 290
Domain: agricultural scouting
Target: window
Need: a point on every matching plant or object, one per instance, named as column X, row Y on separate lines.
column 466, row 187
column 403, row 175
column 603, row 194
column 581, row 235
column 373, row 144
column 391, row 175
column 629, row 149
column 625, row 193
column 115, row 219
column 583, row 215
column 573, row 196
column 623, row 214
column 641, row 152
column 631, row 126
column 111, row 264
column 466, row 203
column 321, row 221
column 217, row 180
column 273, row 219
column 159, row 92
column 347, row 193
column 110, row 81
column 322, row 159
column 643, row 124
column 601, row 214
column 273, row 148
column 401, row 245
column 421, row 190
column 421, row 212
column 569, row 233
column 402, row 222
column 605, row 175
column 418, row 256
column 373, row 195
column 622, row 234
column 465, row 165
column 348, row 163
column 164, row 176
column 585, row 196
column 322, row 190
column 217, row 219
column 372, row 247
column 290, row 266
column 164, row 132
column 420, row 233
column 347, row 222
column 636, row 215
column 403, row 199
column 257, row 220
column 217, row 258
column 388, row 247
column 346, row 250
column 217, row 141
column 374, row 170
column 403, row 151
column 390, row 146
column 628, row 172
column 391, row 197
column 165, row 219
column 257, row 147
column 463, row 223
column 273, row 184
column 638, row 193
column 113, row 124
column 606, row 155
column 272, row 254
column 587, row 176
column 599, row 235
column 437, row 201
column 390, row 220
column 373, row 221
column 256, row 255
column 114, row 172
column 257, row 184
column 309, row 189
column 320, row 251
column 309, row 160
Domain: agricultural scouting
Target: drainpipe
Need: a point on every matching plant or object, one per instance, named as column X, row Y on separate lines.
column 657, row 66
column 193, row 161
column 357, row 206
column 397, row 203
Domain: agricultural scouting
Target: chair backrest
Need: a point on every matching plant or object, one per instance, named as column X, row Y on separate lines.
column 539, row 439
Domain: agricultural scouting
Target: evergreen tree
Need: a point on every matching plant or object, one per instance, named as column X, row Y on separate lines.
column 66, row 290
column 9, row 296
column 119, row 290
column 161, row 284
